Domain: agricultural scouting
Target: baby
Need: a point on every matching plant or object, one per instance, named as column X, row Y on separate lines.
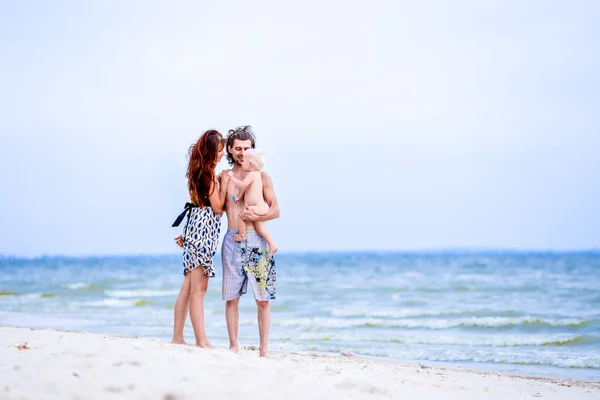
column 252, row 191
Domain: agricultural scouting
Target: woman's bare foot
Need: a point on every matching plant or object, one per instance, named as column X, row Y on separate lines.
column 272, row 251
column 234, row 349
column 178, row 340
column 205, row 345
column 263, row 352
column 239, row 238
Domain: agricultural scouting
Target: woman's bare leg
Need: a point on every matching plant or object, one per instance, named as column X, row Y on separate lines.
column 199, row 285
column 181, row 311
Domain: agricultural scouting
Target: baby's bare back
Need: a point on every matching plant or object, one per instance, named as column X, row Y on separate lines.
column 254, row 194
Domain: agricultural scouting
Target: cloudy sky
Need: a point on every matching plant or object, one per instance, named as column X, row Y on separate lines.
column 387, row 125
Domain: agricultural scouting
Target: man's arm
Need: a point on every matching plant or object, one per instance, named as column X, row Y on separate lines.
column 270, row 199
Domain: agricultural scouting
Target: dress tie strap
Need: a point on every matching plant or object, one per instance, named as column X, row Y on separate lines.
column 186, row 210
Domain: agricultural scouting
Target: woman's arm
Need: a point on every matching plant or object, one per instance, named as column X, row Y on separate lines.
column 179, row 241
column 217, row 197
column 224, row 181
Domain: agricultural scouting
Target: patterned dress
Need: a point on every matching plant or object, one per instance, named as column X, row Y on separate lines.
column 200, row 238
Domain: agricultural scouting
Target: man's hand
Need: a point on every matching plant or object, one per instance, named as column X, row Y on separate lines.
column 249, row 215
column 179, row 241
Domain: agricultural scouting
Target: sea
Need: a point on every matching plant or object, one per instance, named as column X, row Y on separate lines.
column 517, row 312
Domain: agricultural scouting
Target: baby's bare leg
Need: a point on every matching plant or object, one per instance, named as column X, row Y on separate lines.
column 241, row 235
column 259, row 210
column 261, row 228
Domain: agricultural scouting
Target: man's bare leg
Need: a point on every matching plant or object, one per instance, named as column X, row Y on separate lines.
column 261, row 228
column 232, row 317
column 199, row 285
column 180, row 311
column 264, row 323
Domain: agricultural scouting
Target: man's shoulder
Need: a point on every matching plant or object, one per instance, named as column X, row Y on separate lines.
column 265, row 175
column 266, row 179
column 223, row 172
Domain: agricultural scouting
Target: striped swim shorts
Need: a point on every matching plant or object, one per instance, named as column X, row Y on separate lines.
column 246, row 261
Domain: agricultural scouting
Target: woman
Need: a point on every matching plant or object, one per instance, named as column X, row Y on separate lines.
column 201, row 233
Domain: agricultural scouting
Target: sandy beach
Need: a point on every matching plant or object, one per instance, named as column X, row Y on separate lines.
column 50, row 364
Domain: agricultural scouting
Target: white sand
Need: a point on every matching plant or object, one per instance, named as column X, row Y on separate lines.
column 77, row 365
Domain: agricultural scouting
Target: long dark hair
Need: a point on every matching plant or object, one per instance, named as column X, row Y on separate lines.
column 239, row 133
column 201, row 168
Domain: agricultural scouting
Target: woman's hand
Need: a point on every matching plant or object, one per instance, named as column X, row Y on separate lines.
column 179, row 241
column 225, row 175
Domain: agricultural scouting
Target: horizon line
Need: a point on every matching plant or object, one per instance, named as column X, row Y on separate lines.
column 456, row 251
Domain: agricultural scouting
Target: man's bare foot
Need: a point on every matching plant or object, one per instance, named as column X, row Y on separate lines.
column 272, row 251
column 234, row 348
column 178, row 340
column 205, row 345
column 239, row 238
column 263, row 353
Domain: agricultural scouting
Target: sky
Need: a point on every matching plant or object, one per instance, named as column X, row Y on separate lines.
column 387, row 125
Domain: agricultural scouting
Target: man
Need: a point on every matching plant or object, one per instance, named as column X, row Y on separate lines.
column 237, row 255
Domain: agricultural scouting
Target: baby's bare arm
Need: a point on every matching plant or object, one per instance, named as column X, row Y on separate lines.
column 243, row 184
column 270, row 199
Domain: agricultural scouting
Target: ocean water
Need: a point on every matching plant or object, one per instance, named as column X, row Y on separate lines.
column 533, row 313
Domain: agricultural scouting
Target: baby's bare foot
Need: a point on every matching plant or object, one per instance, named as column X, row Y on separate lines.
column 239, row 238
column 272, row 252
